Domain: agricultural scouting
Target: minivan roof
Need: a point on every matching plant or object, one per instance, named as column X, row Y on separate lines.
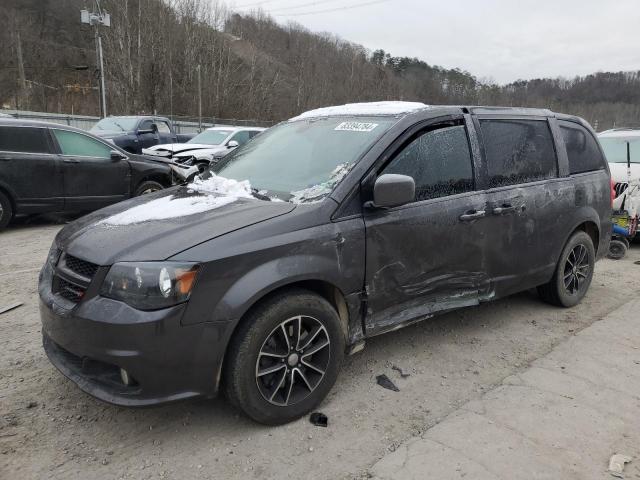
column 401, row 109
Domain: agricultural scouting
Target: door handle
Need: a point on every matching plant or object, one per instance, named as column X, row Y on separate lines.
column 505, row 208
column 472, row 215
column 70, row 160
column 5, row 159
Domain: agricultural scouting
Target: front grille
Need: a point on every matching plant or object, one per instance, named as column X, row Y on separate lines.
column 81, row 267
column 620, row 188
column 68, row 290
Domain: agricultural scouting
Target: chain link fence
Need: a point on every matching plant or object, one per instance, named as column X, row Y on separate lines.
column 182, row 124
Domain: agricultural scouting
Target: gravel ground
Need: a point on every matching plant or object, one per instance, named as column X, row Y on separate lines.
column 49, row 429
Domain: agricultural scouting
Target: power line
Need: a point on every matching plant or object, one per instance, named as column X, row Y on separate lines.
column 309, row 4
column 348, row 7
column 255, row 4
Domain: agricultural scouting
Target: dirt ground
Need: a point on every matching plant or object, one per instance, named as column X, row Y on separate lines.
column 49, row 429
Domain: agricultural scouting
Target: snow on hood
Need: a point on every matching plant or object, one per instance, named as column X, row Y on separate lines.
column 369, row 108
column 317, row 192
column 215, row 192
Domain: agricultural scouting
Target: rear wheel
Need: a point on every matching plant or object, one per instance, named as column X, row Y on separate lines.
column 148, row 187
column 6, row 211
column 285, row 357
column 573, row 274
column 617, row 248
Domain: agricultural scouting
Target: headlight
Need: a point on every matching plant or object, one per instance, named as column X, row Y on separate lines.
column 150, row 285
column 54, row 254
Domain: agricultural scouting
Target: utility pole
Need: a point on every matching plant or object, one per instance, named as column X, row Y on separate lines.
column 96, row 19
column 199, row 100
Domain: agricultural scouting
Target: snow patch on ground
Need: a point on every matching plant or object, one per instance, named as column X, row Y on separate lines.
column 317, row 192
column 216, row 192
column 369, row 108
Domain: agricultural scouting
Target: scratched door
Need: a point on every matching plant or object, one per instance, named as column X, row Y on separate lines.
column 428, row 255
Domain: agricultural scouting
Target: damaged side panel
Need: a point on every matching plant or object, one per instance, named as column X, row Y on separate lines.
column 423, row 259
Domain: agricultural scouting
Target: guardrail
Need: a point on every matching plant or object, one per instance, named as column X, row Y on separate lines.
column 181, row 124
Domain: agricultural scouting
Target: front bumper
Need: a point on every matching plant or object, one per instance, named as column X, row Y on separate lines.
column 91, row 341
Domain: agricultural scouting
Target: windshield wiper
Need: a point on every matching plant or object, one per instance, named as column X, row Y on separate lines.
column 260, row 196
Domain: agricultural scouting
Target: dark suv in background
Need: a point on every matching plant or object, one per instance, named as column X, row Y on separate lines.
column 46, row 167
column 132, row 134
column 323, row 231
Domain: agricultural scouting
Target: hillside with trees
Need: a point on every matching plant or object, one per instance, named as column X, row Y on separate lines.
column 250, row 67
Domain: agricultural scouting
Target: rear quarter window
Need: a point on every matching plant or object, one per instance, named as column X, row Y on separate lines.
column 24, row 139
column 582, row 149
column 518, row 151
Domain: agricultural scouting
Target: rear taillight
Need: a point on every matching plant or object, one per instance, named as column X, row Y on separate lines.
column 613, row 192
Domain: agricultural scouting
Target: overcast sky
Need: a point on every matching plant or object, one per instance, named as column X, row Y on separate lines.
column 498, row 39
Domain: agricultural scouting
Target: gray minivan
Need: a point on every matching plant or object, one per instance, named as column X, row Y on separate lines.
column 328, row 229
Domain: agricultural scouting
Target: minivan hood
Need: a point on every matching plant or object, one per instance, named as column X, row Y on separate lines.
column 121, row 232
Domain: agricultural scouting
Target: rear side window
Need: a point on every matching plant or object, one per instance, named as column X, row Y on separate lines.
column 241, row 137
column 163, row 127
column 582, row 149
column 24, row 139
column 439, row 162
column 77, row 144
column 518, row 151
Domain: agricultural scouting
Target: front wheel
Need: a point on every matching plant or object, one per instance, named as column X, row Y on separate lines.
column 285, row 357
column 148, row 187
column 573, row 274
column 6, row 212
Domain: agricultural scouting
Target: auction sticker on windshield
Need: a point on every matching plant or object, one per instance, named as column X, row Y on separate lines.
column 356, row 127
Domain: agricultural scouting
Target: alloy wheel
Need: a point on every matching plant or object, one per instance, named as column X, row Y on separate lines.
column 576, row 269
column 293, row 360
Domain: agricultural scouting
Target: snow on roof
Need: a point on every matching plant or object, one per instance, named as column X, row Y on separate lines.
column 620, row 133
column 370, row 108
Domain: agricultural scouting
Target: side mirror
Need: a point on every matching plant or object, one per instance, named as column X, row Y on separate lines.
column 117, row 156
column 154, row 128
column 391, row 190
column 232, row 144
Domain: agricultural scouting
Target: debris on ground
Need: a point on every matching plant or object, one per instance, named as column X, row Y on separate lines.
column 10, row 307
column 402, row 373
column 385, row 382
column 319, row 419
column 616, row 464
column 32, row 404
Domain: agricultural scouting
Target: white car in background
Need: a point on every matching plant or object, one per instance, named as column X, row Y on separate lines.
column 206, row 147
column 622, row 149
column 617, row 144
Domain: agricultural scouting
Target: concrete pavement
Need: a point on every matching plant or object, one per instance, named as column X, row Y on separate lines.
column 560, row 418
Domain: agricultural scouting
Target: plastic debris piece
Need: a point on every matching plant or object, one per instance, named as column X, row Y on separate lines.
column 10, row 307
column 385, row 382
column 616, row 464
column 319, row 419
column 402, row 373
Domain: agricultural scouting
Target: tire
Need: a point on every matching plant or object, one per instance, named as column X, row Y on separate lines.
column 557, row 292
column 148, row 186
column 258, row 372
column 6, row 210
column 202, row 166
column 617, row 249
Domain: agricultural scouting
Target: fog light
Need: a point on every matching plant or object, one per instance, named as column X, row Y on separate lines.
column 124, row 376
